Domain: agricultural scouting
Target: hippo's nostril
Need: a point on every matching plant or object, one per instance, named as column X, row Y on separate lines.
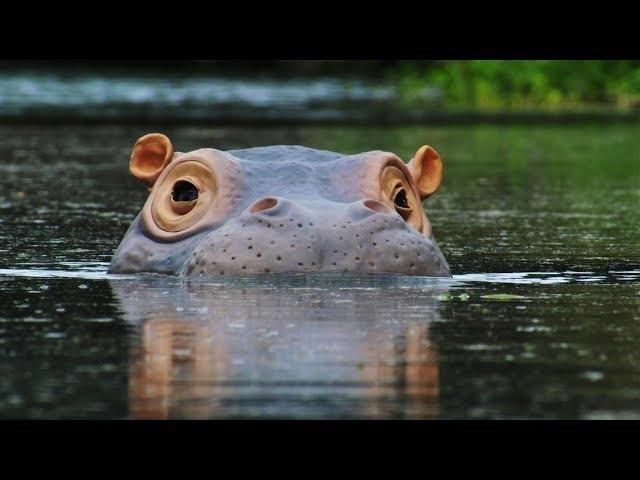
column 377, row 206
column 263, row 204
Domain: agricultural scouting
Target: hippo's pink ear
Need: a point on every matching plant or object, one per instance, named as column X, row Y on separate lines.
column 426, row 170
column 150, row 155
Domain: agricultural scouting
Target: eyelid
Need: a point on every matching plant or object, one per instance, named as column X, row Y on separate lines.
column 397, row 189
column 397, row 185
column 187, row 178
column 182, row 207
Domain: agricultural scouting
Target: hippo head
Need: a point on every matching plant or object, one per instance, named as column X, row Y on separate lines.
column 280, row 209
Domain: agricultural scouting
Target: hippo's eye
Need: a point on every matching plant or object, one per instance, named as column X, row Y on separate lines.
column 400, row 199
column 184, row 191
column 401, row 202
column 398, row 192
column 183, row 196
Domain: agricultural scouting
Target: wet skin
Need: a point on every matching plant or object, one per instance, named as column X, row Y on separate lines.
column 281, row 209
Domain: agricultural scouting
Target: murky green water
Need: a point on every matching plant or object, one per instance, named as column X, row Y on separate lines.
column 542, row 319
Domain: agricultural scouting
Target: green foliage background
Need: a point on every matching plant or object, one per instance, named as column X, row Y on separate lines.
column 522, row 83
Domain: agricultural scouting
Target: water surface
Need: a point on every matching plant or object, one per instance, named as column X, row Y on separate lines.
column 541, row 320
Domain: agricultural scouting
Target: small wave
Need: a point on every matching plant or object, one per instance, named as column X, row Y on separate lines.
column 98, row 271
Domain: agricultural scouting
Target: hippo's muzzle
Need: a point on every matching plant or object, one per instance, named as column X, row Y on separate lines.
column 276, row 235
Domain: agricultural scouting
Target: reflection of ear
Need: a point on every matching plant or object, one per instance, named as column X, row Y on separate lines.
column 426, row 170
column 150, row 155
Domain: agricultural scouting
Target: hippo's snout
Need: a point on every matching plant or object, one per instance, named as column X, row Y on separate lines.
column 275, row 235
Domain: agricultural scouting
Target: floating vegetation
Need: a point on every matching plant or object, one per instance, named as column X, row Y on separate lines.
column 502, row 296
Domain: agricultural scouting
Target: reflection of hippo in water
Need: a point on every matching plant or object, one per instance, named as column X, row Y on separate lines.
column 326, row 347
column 281, row 209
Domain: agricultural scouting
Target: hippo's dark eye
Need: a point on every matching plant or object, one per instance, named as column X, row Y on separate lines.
column 184, row 191
column 401, row 199
column 398, row 192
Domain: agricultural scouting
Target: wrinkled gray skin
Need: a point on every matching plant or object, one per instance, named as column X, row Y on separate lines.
column 318, row 225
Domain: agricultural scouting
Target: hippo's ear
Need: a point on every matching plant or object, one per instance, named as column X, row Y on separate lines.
column 150, row 155
column 426, row 170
